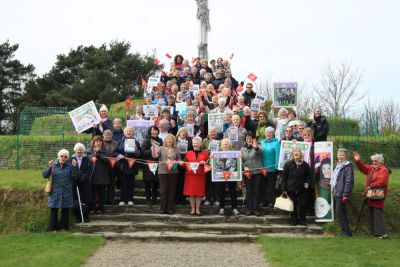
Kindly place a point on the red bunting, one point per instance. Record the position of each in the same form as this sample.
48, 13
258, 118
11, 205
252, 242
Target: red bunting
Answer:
131, 162
252, 77
94, 159
207, 168
170, 164
128, 102
112, 161
264, 171
227, 175
168, 55
247, 174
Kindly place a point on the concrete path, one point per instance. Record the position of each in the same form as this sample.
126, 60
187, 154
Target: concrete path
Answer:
176, 254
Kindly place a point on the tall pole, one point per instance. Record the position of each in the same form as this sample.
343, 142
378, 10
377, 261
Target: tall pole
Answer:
204, 19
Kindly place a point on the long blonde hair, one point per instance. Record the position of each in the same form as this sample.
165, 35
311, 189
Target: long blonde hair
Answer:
171, 136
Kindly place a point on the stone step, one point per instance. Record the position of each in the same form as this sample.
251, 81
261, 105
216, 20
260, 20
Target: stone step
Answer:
176, 236
220, 228
206, 210
183, 218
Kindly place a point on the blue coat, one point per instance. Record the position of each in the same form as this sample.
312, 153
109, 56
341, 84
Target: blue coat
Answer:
270, 157
63, 181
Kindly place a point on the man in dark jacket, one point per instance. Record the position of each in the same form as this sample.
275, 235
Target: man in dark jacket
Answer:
319, 125
249, 94
295, 180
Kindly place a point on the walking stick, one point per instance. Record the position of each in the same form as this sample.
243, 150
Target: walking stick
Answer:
80, 203
360, 214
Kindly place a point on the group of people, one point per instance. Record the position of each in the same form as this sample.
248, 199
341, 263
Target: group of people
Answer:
179, 145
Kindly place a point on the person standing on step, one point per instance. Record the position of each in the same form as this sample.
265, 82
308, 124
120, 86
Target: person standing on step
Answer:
63, 173
167, 178
226, 145
104, 124
195, 176
342, 185
251, 161
128, 149
295, 180
98, 173
152, 141
110, 145
184, 144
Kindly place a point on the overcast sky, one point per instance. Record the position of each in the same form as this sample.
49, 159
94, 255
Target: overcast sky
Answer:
285, 40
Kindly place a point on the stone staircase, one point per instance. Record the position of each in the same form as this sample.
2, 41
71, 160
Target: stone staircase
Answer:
143, 222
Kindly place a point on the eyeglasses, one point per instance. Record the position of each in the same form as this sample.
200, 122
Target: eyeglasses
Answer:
261, 116
307, 135
249, 87
375, 161
301, 128
64, 156
288, 131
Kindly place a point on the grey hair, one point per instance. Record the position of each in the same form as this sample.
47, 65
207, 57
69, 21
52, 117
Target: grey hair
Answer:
79, 145
229, 113
117, 120
378, 157
342, 150
197, 138
164, 122
63, 152
270, 129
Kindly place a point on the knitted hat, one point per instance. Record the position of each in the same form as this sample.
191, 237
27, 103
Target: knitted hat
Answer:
103, 108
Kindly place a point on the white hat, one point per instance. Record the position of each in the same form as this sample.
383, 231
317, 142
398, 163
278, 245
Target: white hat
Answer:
295, 122
103, 108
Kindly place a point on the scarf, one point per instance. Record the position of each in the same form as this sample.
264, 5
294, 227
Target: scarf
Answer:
339, 166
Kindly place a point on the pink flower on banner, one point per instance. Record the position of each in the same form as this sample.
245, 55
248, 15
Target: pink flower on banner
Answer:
252, 77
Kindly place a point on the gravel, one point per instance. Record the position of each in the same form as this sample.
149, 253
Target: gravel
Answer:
143, 254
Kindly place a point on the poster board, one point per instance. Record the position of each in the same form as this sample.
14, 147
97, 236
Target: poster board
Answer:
84, 117
285, 94
285, 153
226, 163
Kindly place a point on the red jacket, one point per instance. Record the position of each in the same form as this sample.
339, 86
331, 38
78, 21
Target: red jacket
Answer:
380, 178
191, 157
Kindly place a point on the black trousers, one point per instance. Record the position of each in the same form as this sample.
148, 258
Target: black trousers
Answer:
377, 221
179, 197
222, 194
167, 191
299, 203
341, 215
63, 224
101, 190
267, 188
211, 189
252, 187
127, 187
151, 190
111, 187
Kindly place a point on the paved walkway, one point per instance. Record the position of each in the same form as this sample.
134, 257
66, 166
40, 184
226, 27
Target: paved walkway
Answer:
176, 254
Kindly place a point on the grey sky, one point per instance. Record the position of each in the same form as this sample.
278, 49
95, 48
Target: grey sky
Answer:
285, 40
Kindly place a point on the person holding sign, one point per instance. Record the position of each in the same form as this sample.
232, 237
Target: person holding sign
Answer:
184, 144
376, 183
195, 177
150, 179
128, 149
295, 180
168, 156
236, 133
105, 123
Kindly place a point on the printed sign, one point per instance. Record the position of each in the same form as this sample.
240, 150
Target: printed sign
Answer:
129, 146
216, 120
84, 117
213, 145
150, 111
182, 146
285, 153
140, 128
152, 82
285, 94
180, 106
226, 166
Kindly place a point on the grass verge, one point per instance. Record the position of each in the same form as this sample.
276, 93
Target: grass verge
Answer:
330, 251
47, 249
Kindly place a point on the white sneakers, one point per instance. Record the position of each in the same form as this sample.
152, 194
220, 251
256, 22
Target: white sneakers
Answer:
206, 203
216, 203
121, 203
221, 212
235, 212
130, 203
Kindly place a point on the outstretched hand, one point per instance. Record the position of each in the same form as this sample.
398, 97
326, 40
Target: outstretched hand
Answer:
356, 156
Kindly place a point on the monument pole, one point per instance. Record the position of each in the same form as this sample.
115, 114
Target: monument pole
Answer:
203, 16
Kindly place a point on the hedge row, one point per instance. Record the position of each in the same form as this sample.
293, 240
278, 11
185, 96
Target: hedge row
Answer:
35, 151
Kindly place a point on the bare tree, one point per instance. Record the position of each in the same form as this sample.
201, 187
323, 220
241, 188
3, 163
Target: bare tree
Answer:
337, 91
306, 101
389, 117
264, 87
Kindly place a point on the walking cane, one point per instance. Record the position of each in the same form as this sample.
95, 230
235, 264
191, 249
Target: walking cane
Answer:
360, 214
80, 203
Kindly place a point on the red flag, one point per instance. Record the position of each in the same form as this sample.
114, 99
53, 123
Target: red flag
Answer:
170, 164
247, 174
193, 60
227, 175
252, 76
112, 161
264, 171
131, 162
128, 102
239, 89
94, 159
168, 55
231, 56
144, 84
207, 168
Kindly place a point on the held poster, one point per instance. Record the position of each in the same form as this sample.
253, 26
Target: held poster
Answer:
140, 128
285, 94
216, 120
226, 166
285, 153
84, 116
323, 158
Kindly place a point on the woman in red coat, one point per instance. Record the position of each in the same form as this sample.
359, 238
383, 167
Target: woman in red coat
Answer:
377, 177
195, 177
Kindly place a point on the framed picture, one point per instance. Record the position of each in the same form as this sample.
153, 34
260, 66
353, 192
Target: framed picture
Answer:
226, 166
140, 128
285, 153
84, 116
285, 94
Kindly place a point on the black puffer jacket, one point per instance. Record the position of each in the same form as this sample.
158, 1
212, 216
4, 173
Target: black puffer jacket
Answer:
98, 172
295, 176
320, 127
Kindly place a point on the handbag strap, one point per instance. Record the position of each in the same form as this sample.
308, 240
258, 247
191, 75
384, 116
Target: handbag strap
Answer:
52, 172
370, 177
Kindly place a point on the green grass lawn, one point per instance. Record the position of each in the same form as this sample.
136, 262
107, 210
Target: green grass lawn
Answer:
47, 249
331, 251
22, 179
